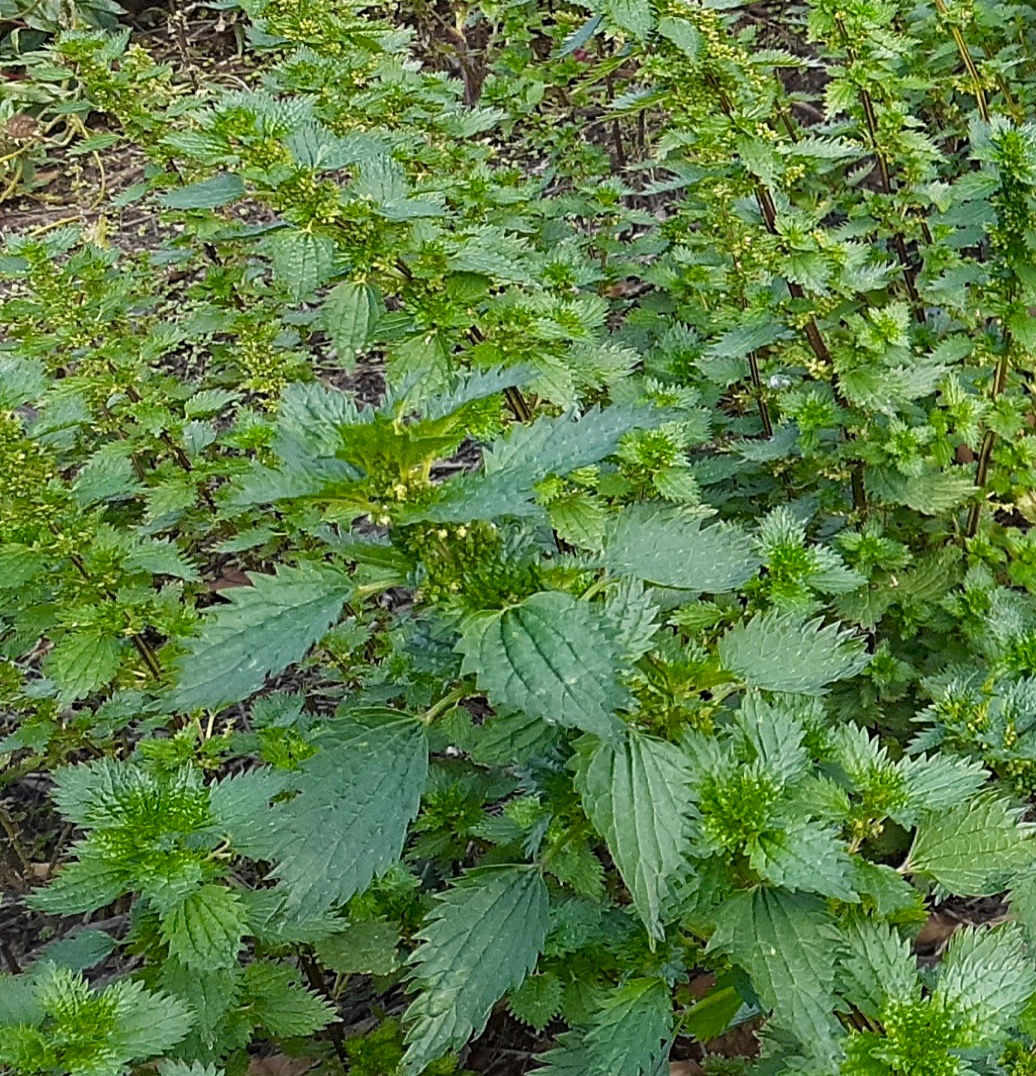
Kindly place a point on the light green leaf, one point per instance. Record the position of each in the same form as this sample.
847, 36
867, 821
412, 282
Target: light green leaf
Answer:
976, 849
301, 260
107, 475
776, 652
364, 948
360, 791
553, 657
205, 930
206, 194
265, 628
636, 794
987, 976
636, 16
876, 963
83, 662
806, 857
281, 1005
683, 34
350, 314
148, 1024
631, 1032
537, 1001
21, 381
935, 783
18, 565
480, 941
671, 550
787, 944
579, 519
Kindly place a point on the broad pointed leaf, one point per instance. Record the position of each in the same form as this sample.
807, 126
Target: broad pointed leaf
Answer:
360, 791
553, 657
636, 794
480, 941
265, 628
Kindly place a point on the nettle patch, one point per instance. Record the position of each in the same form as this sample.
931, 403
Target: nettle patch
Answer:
671, 610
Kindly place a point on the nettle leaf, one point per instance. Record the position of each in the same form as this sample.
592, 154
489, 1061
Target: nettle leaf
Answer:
107, 475
301, 260
636, 16
265, 628
148, 1024
987, 976
551, 656
631, 1032
21, 381
360, 792
976, 849
636, 794
480, 941
805, 856
350, 314
82, 662
205, 930
777, 652
281, 1005
673, 551
935, 783
537, 1001
368, 947
211, 193
875, 963
787, 943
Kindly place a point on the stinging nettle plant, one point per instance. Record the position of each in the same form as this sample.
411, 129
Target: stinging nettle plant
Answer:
624, 455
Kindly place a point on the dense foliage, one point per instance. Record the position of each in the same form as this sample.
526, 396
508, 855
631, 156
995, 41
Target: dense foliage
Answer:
671, 607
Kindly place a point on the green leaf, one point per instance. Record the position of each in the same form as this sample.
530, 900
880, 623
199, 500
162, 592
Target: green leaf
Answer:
18, 565
281, 1005
364, 948
579, 519
936, 783
976, 849
987, 977
537, 1001
360, 792
876, 964
807, 857
776, 652
265, 628
350, 314
787, 944
162, 558
148, 1024
301, 261
79, 951
21, 381
635, 16
931, 494
206, 194
631, 1032
480, 941
553, 657
683, 34
107, 475
83, 662
205, 930
671, 550
636, 794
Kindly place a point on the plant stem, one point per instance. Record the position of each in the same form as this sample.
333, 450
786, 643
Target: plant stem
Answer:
985, 452
7, 823
969, 64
